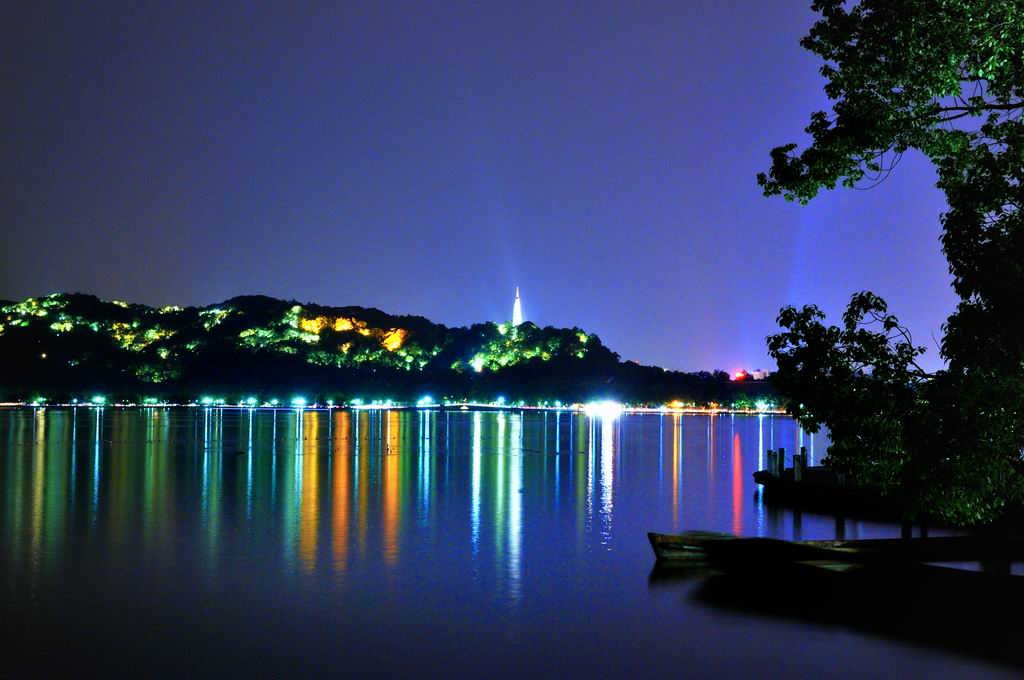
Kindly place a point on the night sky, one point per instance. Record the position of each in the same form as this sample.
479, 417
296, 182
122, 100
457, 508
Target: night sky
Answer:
426, 158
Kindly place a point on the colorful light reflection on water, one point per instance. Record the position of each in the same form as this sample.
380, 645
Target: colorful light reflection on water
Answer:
384, 542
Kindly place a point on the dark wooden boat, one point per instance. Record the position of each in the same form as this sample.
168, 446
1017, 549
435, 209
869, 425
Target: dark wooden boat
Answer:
888, 587
701, 547
725, 550
690, 546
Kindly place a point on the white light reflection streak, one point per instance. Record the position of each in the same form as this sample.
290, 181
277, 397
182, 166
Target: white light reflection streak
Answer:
97, 429
760, 441
298, 458
607, 476
591, 445
206, 471
499, 501
248, 475
273, 461
425, 439
474, 517
558, 458
661, 449
515, 506
74, 454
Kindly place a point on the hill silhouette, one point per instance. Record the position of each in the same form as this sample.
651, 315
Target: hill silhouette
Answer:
70, 345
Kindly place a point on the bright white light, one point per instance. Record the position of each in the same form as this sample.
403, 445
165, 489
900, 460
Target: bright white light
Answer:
603, 409
761, 405
251, 401
206, 401
425, 400
356, 402
478, 364
499, 400
299, 402
274, 402
99, 399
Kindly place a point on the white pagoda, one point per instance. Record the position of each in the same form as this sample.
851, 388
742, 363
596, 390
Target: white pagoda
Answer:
517, 310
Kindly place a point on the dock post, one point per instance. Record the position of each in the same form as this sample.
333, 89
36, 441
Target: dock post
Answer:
781, 461
799, 463
772, 466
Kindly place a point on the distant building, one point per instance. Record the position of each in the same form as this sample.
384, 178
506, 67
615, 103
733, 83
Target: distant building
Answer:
517, 310
759, 374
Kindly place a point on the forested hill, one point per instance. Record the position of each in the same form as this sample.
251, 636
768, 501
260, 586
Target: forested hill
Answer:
71, 344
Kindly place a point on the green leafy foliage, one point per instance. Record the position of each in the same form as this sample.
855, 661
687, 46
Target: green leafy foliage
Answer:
860, 379
942, 78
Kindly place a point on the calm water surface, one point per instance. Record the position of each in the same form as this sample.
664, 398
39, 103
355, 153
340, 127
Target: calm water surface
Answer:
396, 544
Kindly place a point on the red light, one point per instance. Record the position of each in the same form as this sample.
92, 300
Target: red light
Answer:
739, 375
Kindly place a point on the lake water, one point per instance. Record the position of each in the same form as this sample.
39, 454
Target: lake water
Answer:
183, 542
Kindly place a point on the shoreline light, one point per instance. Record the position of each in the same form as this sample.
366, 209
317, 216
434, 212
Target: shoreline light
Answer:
603, 409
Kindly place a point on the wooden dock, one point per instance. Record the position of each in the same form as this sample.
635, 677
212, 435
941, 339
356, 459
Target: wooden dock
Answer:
818, 488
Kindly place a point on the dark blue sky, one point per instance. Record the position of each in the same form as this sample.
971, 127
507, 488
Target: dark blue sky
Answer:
426, 158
